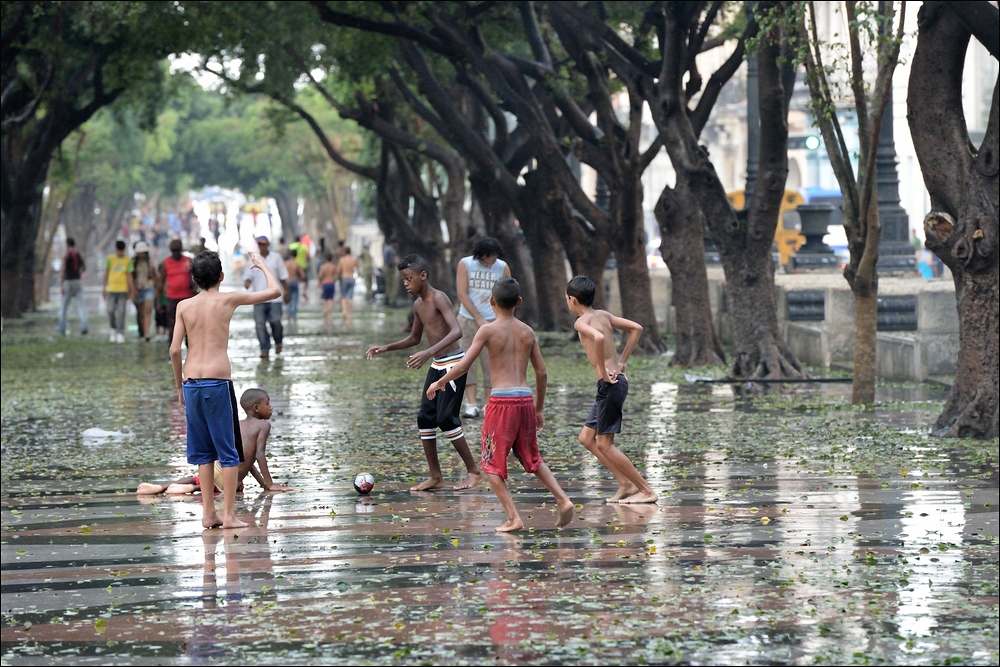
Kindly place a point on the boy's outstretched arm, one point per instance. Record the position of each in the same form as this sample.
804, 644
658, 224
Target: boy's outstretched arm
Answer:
634, 330
443, 304
416, 333
462, 367
541, 382
273, 290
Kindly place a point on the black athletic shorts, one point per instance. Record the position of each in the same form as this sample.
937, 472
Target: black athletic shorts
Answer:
606, 415
443, 412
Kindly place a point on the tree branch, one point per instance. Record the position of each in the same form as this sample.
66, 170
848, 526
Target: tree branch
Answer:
982, 19
361, 170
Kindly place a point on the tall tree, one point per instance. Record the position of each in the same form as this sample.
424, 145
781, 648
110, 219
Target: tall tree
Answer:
60, 63
867, 30
744, 237
677, 211
963, 227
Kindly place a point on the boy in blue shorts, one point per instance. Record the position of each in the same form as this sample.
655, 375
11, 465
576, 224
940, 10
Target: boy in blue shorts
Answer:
204, 386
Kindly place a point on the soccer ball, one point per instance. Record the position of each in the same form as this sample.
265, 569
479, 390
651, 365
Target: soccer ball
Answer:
364, 483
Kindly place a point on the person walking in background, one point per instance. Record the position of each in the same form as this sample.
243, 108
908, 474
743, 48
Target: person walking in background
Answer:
296, 274
476, 277
118, 289
346, 268
267, 313
390, 259
367, 267
301, 252
144, 280
73, 267
174, 282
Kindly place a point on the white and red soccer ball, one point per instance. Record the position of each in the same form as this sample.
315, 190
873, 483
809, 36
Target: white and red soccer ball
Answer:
364, 482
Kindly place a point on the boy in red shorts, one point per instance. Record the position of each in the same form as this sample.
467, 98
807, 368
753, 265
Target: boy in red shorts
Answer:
512, 417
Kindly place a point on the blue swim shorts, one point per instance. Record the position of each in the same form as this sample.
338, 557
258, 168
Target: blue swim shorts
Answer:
213, 424
347, 288
329, 290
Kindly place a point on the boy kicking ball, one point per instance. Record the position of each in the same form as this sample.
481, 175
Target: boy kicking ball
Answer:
512, 417
596, 329
432, 311
204, 386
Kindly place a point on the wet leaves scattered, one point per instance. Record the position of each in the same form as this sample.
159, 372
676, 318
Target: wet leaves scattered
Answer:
791, 527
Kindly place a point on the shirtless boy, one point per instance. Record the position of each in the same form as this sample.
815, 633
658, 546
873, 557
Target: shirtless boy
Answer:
432, 311
254, 431
596, 329
204, 386
512, 418
327, 278
346, 267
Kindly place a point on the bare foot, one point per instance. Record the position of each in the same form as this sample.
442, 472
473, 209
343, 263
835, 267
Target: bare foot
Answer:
211, 520
640, 498
623, 491
509, 526
233, 522
471, 480
277, 349
565, 515
147, 489
432, 483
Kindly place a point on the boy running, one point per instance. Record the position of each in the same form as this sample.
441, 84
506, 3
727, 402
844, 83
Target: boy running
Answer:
432, 311
596, 329
512, 418
204, 386
327, 278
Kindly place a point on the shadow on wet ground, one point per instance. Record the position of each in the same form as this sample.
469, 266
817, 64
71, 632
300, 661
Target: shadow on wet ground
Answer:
791, 527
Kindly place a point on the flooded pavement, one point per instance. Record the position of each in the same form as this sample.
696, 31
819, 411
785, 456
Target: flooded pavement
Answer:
791, 528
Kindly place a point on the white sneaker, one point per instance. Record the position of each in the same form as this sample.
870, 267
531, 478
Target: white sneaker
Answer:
119, 338
113, 338
471, 412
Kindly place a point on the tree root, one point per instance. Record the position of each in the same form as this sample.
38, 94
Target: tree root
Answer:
771, 360
974, 421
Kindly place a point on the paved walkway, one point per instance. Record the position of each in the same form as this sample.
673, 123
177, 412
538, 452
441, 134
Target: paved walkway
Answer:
791, 528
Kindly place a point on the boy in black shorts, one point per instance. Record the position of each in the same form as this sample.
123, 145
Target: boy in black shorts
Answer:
597, 329
432, 311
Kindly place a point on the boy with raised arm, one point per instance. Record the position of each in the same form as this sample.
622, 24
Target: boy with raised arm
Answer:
596, 329
432, 311
512, 417
204, 386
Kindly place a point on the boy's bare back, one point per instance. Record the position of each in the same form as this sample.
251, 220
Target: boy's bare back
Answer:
205, 319
600, 351
327, 273
511, 344
346, 266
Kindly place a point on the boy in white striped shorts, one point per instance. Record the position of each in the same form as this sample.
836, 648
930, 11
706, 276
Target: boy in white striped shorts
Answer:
432, 312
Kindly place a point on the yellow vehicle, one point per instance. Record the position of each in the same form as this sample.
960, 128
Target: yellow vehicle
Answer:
788, 240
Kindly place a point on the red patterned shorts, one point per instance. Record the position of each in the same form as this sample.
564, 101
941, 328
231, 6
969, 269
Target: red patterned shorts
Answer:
510, 424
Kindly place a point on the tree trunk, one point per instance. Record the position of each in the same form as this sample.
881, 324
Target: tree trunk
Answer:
682, 246
499, 220
633, 269
17, 271
865, 327
543, 195
964, 224
289, 214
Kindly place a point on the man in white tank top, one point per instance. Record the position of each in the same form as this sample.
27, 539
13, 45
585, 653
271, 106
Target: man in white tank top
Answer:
476, 275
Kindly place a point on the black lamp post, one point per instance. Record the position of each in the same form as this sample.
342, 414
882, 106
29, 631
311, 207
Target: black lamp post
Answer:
895, 254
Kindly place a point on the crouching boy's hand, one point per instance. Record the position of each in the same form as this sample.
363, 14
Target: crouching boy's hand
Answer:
276, 487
